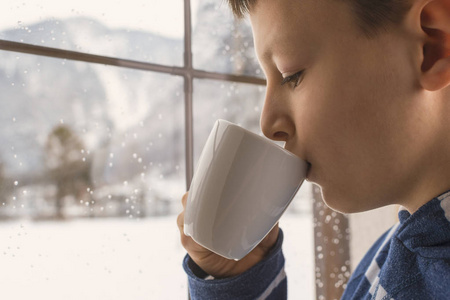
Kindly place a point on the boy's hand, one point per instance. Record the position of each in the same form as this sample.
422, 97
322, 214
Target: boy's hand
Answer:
216, 265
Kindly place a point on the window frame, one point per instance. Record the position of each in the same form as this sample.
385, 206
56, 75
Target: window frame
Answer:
187, 71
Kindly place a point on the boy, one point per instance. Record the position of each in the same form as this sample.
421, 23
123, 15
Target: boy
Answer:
360, 90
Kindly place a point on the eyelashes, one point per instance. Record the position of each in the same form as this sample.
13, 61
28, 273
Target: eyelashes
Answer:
295, 79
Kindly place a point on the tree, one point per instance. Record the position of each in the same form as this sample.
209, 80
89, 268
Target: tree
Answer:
68, 167
4, 191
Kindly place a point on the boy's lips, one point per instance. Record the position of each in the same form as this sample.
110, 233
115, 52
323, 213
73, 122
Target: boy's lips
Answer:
308, 170
303, 158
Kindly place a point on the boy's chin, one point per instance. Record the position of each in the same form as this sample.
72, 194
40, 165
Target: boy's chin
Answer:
347, 204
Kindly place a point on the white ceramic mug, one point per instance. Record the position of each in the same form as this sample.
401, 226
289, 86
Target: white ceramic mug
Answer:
242, 185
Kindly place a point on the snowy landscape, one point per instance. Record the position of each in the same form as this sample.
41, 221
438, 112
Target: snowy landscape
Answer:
124, 128
121, 259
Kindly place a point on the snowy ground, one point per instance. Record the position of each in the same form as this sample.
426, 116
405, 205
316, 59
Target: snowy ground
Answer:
120, 259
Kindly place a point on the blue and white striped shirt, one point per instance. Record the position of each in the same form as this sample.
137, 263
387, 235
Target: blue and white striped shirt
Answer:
410, 261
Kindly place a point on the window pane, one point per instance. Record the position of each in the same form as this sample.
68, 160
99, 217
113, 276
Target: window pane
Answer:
242, 104
221, 43
90, 156
143, 30
236, 102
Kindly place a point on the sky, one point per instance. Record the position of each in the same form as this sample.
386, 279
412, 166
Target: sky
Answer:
159, 16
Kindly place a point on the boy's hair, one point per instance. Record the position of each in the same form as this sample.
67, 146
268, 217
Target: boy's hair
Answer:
371, 15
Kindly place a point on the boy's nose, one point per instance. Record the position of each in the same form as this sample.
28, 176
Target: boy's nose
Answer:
276, 120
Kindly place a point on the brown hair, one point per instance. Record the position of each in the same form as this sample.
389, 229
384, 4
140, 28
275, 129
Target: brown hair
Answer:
371, 15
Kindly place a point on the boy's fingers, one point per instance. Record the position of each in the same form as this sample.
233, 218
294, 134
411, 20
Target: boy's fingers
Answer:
184, 200
186, 241
272, 237
180, 222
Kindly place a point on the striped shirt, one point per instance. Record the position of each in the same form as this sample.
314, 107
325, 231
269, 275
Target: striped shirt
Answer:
410, 261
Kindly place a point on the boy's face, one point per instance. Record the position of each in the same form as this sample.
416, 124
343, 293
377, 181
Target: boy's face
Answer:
357, 114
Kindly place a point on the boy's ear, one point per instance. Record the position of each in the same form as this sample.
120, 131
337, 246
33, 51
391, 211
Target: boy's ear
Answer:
435, 23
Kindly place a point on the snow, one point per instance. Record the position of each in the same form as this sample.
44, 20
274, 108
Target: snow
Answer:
121, 259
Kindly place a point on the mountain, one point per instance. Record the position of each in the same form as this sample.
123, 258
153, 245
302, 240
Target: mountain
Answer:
98, 101
90, 36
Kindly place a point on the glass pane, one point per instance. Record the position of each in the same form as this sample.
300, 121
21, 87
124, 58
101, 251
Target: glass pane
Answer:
236, 102
220, 43
144, 30
242, 104
92, 171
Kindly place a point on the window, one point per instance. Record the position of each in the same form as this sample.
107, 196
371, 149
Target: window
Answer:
104, 111
145, 31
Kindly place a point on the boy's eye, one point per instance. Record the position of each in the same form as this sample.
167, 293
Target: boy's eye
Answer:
296, 79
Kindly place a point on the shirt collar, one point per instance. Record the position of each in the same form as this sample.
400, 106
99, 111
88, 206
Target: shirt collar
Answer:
427, 228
